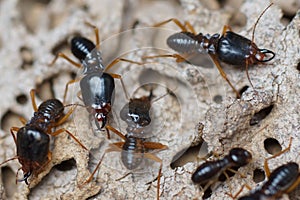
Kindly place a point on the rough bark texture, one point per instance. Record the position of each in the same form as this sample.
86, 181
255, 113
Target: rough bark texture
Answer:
32, 32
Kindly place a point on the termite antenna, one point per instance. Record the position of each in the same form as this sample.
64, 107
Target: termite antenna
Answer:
75, 104
263, 12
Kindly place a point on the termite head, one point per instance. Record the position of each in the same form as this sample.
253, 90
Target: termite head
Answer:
240, 156
101, 114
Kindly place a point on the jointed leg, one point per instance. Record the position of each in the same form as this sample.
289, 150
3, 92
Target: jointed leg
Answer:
67, 88
155, 145
117, 76
62, 55
179, 58
183, 27
62, 120
13, 158
225, 29
112, 147
115, 131
96, 30
156, 159
70, 134
23, 120
117, 60
239, 192
266, 166
223, 74
12, 129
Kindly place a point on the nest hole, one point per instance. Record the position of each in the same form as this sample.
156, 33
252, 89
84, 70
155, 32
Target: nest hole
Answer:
66, 165
260, 115
298, 66
62, 46
44, 90
272, 146
9, 181
243, 89
22, 99
287, 18
238, 20
218, 99
27, 58
10, 119
258, 175
189, 155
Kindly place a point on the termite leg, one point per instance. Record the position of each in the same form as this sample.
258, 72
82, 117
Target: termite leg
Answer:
64, 118
266, 166
12, 129
179, 58
112, 147
115, 131
96, 31
117, 76
223, 74
67, 88
117, 60
225, 29
59, 131
239, 192
183, 27
156, 159
62, 55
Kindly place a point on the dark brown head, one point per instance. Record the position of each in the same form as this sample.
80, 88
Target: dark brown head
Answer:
136, 112
240, 157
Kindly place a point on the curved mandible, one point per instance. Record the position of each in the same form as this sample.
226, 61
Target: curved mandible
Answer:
266, 52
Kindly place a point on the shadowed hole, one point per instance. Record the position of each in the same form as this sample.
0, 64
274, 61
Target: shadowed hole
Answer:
62, 46
243, 89
298, 66
189, 155
258, 175
66, 165
218, 99
262, 114
222, 3
10, 119
287, 18
22, 99
55, 179
44, 90
27, 58
9, 182
272, 146
238, 20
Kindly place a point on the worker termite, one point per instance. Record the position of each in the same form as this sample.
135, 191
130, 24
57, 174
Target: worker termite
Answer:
33, 139
209, 172
133, 151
